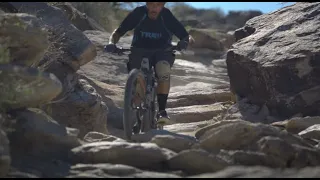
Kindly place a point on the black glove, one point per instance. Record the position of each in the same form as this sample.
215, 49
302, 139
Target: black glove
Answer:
110, 48
182, 45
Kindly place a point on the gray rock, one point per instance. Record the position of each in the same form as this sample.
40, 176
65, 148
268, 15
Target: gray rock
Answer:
200, 132
252, 158
196, 161
243, 135
68, 47
312, 132
98, 137
140, 155
305, 156
77, 45
112, 96
20, 175
147, 136
78, 19
22, 87
195, 113
112, 171
174, 143
277, 147
294, 155
38, 134
197, 93
82, 109
249, 112
276, 64
298, 124
262, 172
187, 127
239, 171
23, 38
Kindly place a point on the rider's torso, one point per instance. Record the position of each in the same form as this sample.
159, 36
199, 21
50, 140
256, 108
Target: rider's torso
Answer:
151, 34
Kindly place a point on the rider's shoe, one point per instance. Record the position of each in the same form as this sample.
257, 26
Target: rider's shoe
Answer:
162, 117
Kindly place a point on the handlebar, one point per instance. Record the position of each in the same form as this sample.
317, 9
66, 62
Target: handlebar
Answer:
121, 50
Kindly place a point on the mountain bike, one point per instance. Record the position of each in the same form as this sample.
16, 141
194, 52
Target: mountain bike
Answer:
140, 102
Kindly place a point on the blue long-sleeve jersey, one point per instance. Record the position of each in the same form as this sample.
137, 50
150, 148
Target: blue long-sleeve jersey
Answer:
151, 34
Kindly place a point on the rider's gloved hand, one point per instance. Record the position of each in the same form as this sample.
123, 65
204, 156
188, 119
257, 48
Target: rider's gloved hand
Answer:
182, 45
110, 48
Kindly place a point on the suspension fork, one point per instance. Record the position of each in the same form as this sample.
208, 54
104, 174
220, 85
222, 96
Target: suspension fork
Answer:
148, 72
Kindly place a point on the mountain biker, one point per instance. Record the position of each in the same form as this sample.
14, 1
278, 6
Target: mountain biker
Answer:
153, 26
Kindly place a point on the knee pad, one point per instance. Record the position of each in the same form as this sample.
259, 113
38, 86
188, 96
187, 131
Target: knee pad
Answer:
163, 71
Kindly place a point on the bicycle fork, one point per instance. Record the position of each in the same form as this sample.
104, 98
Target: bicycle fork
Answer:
150, 89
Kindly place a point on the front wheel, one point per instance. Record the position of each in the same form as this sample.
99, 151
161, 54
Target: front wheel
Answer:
149, 118
134, 97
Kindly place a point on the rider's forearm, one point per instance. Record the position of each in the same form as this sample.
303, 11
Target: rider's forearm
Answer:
114, 38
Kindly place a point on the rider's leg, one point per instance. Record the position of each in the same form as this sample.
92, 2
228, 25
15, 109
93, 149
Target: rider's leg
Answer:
163, 74
163, 66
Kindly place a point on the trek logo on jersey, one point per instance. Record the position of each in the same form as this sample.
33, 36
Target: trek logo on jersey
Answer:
150, 35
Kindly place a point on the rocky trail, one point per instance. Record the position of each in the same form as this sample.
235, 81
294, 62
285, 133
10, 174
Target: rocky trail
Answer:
61, 102
198, 91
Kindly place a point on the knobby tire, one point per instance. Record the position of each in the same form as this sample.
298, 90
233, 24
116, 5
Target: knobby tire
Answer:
129, 113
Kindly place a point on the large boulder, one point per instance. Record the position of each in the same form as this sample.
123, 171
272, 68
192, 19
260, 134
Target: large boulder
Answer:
22, 87
204, 40
68, 47
140, 155
79, 19
83, 109
112, 96
196, 162
23, 40
277, 64
239, 134
76, 45
36, 133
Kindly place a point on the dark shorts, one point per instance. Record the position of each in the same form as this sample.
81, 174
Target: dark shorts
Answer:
135, 58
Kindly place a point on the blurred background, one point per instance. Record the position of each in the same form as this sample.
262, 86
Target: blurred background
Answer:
225, 16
